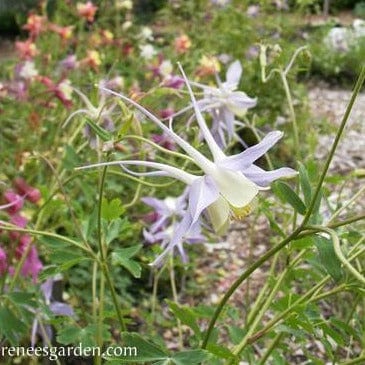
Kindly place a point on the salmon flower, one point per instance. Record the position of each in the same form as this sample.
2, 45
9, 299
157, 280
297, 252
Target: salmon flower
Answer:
87, 11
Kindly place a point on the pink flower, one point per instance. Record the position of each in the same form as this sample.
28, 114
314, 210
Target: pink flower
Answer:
61, 90
30, 193
182, 44
14, 200
32, 264
175, 82
26, 50
34, 25
3, 261
87, 11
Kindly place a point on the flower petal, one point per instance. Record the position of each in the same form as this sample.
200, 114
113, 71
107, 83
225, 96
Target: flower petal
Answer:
237, 189
234, 73
265, 178
218, 213
243, 160
202, 193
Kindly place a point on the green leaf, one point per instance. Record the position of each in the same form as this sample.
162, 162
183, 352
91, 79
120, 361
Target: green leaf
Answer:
21, 298
122, 256
71, 158
288, 195
305, 184
111, 210
186, 316
127, 122
191, 357
85, 336
99, 131
328, 257
11, 327
113, 230
146, 351
220, 351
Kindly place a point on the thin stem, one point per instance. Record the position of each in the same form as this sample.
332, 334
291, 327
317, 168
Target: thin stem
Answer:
175, 296
99, 335
238, 349
352, 200
340, 255
270, 349
242, 278
103, 253
344, 121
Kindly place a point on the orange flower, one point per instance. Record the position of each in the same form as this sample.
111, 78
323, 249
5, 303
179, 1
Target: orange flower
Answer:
182, 44
34, 25
64, 32
87, 11
26, 50
92, 59
208, 65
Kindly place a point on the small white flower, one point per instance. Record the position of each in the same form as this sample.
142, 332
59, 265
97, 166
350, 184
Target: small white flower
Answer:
146, 34
28, 70
124, 4
147, 51
66, 89
126, 25
166, 68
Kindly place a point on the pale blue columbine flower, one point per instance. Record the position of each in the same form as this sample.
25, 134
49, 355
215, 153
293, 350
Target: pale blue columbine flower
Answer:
170, 213
228, 184
57, 308
224, 103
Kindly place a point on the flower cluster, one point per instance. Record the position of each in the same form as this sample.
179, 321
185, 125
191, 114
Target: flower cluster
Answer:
227, 186
19, 244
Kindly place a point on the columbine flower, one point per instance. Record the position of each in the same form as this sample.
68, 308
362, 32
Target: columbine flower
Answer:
30, 193
182, 44
14, 202
169, 214
57, 308
92, 59
208, 65
34, 25
147, 51
224, 102
26, 50
228, 184
86, 11
69, 63
3, 261
27, 70
64, 32
146, 34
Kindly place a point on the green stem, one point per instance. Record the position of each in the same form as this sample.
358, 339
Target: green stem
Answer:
103, 254
252, 326
340, 255
242, 278
270, 349
175, 296
344, 121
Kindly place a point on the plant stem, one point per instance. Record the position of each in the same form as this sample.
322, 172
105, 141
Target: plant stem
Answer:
103, 254
174, 295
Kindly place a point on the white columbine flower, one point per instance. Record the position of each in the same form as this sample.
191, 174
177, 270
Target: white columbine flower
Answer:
224, 103
147, 51
28, 70
227, 185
